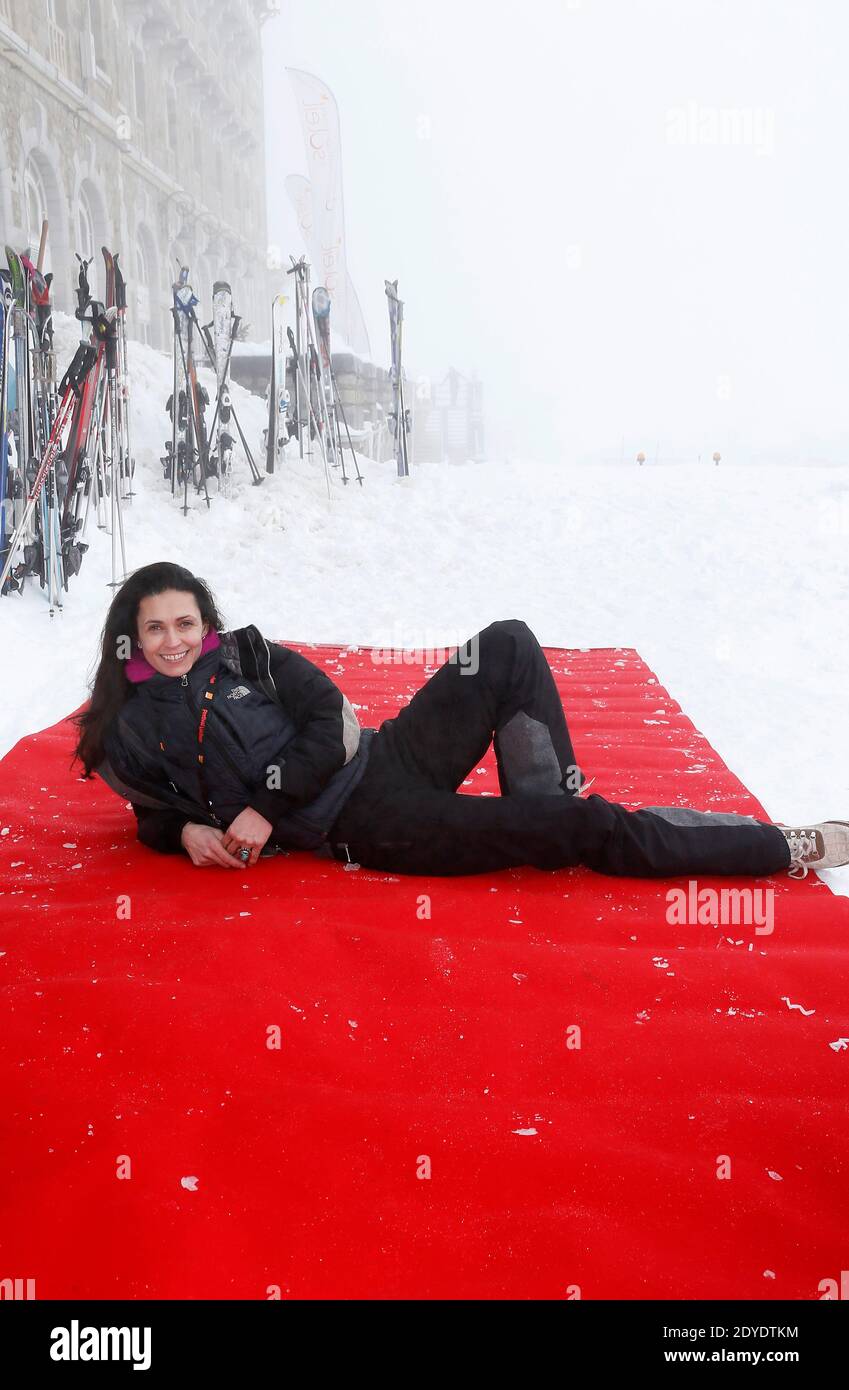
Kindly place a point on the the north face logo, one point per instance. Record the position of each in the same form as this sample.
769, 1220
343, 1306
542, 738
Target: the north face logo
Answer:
237, 692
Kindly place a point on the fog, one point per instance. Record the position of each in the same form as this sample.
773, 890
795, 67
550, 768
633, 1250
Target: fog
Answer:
628, 216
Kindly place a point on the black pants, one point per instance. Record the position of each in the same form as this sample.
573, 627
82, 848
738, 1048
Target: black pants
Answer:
406, 815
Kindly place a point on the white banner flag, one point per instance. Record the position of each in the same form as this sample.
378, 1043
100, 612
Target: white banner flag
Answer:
320, 209
300, 196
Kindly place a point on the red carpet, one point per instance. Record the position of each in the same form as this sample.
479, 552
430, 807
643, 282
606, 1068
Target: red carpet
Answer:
407, 1040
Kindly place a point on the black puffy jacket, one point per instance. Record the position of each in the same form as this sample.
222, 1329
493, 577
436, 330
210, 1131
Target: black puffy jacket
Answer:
274, 717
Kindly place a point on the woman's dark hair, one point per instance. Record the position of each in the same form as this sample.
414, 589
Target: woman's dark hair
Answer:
110, 687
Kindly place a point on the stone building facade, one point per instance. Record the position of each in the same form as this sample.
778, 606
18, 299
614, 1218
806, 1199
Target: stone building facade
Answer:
138, 125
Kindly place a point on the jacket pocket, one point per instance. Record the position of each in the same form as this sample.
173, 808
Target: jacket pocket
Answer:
299, 831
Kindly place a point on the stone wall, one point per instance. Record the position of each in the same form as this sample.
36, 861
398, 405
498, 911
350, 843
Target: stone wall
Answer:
446, 415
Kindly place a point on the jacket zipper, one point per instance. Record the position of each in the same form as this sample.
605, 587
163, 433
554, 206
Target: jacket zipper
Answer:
184, 681
265, 681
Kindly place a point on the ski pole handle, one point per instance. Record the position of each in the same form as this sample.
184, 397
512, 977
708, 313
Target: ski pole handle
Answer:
74, 378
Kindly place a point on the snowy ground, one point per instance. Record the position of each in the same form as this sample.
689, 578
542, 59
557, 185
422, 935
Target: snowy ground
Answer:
731, 583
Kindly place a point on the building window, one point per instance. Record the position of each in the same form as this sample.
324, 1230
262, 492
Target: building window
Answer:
171, 117
143, 324
35, 198
56, 25
85, 229
198, 144
97, 32
138, 79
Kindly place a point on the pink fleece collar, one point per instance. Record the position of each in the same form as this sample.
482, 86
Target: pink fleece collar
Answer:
140, 669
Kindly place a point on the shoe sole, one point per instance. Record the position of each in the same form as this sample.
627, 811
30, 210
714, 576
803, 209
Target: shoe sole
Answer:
836, 854
843, 847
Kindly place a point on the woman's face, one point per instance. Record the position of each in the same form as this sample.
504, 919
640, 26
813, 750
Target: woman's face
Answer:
171, 631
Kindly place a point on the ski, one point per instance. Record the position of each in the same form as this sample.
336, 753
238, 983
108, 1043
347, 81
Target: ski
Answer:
300, 350
279, 399
40, 288
20, 417
70, 390
128, 463
321, 321
109, 263
196, 460
225, 411
305, 390
222, 330
5, 338
114, 437
321, 313
271, 423
400, 415
44, 407
81, 456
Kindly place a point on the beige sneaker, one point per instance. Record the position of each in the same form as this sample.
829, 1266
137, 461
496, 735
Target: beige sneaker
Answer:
821, 846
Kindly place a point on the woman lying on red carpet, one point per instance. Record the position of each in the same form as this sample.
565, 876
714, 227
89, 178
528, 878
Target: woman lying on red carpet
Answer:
229, 746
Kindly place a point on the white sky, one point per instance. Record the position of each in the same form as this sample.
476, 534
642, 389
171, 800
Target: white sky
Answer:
548, 232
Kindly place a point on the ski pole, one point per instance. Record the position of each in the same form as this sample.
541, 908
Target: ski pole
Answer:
298, 270
300, 370
127, 462
317, 364
117, 527
227, 402
347, 430
5, 339
174, 406
321, 320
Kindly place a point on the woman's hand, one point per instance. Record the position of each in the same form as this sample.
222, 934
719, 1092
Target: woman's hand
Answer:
249, 829
204, 846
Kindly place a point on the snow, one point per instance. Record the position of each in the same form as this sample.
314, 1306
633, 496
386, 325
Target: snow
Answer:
248, 349
263, 349
729, 581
